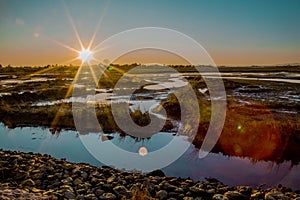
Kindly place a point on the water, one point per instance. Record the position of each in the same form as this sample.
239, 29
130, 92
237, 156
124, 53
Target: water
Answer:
230, 170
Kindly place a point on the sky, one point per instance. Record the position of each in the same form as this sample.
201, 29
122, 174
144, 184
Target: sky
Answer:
233, 32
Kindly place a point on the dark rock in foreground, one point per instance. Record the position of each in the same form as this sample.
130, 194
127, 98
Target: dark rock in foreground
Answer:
36, 176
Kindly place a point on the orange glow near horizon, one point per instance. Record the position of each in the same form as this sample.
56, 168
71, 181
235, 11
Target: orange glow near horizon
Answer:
38, 57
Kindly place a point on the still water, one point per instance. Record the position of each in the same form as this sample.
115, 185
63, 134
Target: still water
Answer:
230, 170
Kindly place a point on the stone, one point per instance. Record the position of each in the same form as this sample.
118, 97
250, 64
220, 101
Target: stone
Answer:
235, 195
179, 189
246, 190
167, 186
188, 198
128, 194
212, 180
90, 197
77, 181
219, 197
211, 191
98, 192
274, 195
257, 195
80, 197
157, 172
173, 194
121, 190
111, 179
197, 190
161, 194
67, 181
69, 195
108, 196
28, 182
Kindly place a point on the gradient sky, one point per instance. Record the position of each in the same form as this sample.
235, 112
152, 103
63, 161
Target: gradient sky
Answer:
234, 32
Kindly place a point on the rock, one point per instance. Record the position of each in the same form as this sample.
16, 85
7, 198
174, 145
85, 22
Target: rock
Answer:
161, 194
235, 195
157, 172
94, 180
67, 181
257, 195
99, 192
223, 189
274, 195
77, 181
90, 197
128, 194
211, 191
111, 179
167, 186
84, 174
80, 197
188, 198
135, 187
66, 188
219, 197
84, 185
173, 195
121, 190
178, 189
197, 190
107, 187
28, 182
108, 196
69, 195
246, 190
81, 191
212, 180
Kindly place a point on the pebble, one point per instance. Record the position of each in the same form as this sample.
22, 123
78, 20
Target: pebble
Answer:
235, 195
108, 196
274, 195
219, 197
161, 194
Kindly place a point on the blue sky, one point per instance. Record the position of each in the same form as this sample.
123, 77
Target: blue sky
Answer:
233, 32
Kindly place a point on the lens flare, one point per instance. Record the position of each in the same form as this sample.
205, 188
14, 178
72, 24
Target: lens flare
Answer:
85, 55
143, 151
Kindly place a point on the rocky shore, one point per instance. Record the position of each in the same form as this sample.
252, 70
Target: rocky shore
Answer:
36, 176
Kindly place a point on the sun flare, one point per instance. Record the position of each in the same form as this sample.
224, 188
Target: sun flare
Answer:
85, 55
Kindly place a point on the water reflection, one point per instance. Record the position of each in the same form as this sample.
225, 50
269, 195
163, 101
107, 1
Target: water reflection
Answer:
230, 170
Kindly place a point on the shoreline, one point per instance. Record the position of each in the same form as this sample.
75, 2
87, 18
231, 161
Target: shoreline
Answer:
36, 176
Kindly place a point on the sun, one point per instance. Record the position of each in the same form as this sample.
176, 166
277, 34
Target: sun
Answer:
85, 55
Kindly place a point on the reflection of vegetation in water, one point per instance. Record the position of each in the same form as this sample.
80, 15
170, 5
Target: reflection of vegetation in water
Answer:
250, 132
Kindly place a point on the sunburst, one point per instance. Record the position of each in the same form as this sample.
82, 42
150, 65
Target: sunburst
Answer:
86, 55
